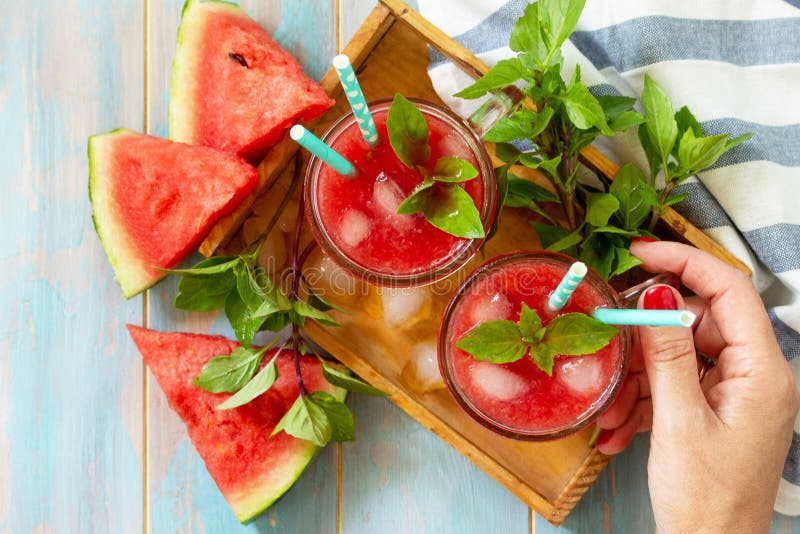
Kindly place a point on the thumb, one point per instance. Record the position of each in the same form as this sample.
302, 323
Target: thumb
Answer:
669, 358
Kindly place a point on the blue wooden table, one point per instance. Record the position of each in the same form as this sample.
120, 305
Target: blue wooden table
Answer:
87, 442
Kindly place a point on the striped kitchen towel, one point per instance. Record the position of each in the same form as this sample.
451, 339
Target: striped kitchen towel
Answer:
736, 64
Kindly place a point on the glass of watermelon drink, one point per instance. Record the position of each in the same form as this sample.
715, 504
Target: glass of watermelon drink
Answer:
518, 399
355, 220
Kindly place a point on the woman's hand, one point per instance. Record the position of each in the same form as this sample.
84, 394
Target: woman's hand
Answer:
717, 447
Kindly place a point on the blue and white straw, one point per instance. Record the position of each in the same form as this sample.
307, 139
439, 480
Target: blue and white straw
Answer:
683, 318
356, 99
314, 144
558, 298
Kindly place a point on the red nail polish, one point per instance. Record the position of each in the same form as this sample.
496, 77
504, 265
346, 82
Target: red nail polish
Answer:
660, 298
604, 436
644, 239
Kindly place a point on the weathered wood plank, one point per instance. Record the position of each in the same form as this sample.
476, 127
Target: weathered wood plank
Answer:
70, 382
351, 14
399, 477
181, 495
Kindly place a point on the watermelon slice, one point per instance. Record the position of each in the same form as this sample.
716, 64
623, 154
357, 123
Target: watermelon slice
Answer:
233, 88
153, 200
251, 468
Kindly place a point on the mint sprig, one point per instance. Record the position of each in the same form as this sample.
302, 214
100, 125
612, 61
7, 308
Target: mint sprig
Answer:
598, 220
504, 341
254, 302
438, 197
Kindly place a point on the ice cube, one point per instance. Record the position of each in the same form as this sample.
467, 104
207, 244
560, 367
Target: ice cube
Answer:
583, 375
453, 145
354, 227
498, 382
497, 307
401, 305
387, 197
421, 373
387, 193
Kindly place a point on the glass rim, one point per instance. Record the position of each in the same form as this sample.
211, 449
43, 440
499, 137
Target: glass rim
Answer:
458, 259
486, 420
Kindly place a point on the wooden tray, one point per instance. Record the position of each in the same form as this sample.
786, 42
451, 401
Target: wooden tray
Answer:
390, 55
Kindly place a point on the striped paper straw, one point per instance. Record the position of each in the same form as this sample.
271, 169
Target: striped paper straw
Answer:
566, 287
356, 98
644, 317
314, 144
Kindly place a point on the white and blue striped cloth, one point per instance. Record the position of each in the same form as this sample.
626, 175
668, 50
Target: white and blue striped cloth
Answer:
736, 64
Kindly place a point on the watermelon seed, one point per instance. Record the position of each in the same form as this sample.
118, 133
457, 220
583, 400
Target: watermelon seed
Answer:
242, 61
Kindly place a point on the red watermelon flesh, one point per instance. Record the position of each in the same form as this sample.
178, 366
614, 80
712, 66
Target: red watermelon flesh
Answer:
251, 468
153, 200
233, 88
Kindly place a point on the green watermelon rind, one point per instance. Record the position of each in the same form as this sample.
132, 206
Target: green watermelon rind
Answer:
264, 498
133, 277
180, 96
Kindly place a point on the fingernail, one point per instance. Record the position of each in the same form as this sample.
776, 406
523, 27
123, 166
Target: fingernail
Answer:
604, 437
643, 239
660, 298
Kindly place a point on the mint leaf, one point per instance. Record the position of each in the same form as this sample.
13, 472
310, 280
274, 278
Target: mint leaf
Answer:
625, 121
551, 165
624, 261
614, 105
529, 324
517, 126
526, 36
614, 230
662, 129
452, 210
548, 233
213, 265
544, 357
306, 420
226, 374
697, 153
583, 108
506, 152
342, 379
417, 200
302, 311
597, 251
204, 293
338, 415
244, 324
276, 322
494, 341
408, 132
504, 72
566, 242
254, 388
686, 121
738, 140
521, 192
634, 194
246, 286
557, 19
600, 207
453, 170
651, 152
575, 334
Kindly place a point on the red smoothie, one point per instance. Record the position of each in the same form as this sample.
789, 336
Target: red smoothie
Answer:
518, 397
355, 219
